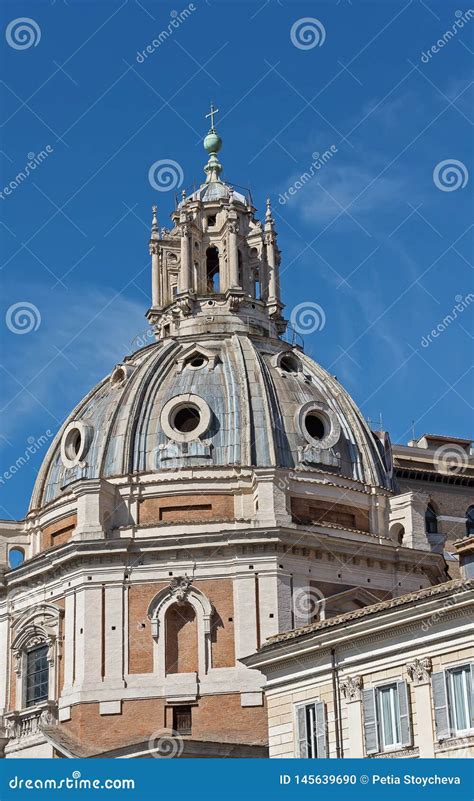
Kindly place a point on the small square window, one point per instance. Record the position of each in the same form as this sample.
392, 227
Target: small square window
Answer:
211, 221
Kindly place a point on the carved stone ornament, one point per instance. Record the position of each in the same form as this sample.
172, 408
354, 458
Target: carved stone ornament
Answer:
352, 688
419, 671
180, 587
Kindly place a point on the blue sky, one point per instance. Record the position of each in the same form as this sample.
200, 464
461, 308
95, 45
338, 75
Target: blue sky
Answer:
380, 237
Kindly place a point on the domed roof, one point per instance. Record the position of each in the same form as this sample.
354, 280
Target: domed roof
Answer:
224, 400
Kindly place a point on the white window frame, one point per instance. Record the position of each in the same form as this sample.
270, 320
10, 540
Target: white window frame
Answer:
310, 702
394, 714
452, 711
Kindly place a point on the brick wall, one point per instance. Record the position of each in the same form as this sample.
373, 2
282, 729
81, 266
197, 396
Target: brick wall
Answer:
181, 639
305, 510
186, 508
220, 594
58, 533
219, 717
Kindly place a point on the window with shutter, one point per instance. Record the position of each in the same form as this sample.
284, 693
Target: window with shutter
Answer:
404, 709
311, 730
440, 702
370, 722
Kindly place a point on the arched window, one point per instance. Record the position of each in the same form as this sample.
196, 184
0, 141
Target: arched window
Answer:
16, 557
181, 649
470, 522
431, 520
212, 269
36, 675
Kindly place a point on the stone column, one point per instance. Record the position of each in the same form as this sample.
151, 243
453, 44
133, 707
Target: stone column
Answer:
114, 636
245, 614
155, 274
185, 270
88, 638
419, 672
233, 254
351, 688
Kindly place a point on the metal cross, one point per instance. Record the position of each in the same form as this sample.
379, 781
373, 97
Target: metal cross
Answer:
211, 114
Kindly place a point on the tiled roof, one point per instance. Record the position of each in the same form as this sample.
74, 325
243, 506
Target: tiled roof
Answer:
384, 606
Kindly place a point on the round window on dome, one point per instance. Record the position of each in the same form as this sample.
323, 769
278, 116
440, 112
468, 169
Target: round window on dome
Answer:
72, 444
290, 364
315, 425
185, 418
196, 362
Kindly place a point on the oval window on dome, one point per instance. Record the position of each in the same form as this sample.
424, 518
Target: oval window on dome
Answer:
75, 443
185, 418
289, 363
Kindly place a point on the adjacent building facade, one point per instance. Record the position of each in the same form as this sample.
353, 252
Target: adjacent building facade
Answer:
216, 489
393, 680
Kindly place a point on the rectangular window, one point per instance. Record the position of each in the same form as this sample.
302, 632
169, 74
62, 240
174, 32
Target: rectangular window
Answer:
311, 730
460, 700
182, 723
37, 675
387, 722
388, 713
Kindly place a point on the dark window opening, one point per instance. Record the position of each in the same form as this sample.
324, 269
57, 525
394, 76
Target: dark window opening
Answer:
314, 425
37, 675
182, 720
166, 330
239, 263
470, 522
289, 364
186, 419
212, 269
73, 444
211, 221
431, 521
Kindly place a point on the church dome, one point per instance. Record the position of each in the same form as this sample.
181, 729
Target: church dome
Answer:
228, 400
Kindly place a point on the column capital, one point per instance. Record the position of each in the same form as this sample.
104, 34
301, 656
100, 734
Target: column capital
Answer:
419, 670
352, 688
